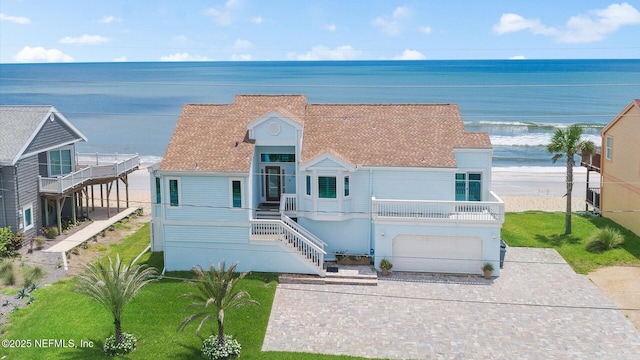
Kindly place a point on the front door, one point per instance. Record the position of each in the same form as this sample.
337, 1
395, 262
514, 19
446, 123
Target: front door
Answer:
272, 174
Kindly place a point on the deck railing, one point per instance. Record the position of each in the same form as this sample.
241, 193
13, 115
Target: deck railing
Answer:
593, 197
302, 231
288, 204
439, 211
105, 166
278, 230
591, 161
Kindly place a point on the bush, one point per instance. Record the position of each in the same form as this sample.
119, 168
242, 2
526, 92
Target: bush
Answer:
31, 275
125, 347
7, 272
9, 242
605, 239
213, 351
51, 232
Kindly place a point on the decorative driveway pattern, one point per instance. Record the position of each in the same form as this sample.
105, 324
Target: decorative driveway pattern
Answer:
537, 309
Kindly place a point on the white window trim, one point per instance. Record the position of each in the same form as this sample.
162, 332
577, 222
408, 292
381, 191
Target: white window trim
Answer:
24, 218
242, 194
168, 197
68, 147
608, 150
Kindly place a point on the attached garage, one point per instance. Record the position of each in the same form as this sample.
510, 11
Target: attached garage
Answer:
437, 253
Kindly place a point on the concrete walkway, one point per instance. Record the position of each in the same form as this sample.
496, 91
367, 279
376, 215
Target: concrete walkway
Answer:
89, 231
538, 309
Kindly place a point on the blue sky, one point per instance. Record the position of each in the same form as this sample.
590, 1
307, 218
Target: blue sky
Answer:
237, 30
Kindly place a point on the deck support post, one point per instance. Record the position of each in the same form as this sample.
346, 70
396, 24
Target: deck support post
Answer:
59, 215
93, 205
126, 184
101, 197
108, 186
118, 194
74, 197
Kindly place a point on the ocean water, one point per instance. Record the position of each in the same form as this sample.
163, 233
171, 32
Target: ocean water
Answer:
133, 107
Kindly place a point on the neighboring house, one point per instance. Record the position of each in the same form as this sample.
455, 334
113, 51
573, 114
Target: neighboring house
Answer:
40, 181
278, 184
618, 195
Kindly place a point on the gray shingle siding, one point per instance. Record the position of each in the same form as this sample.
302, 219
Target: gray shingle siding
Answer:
52, 133
8, 201
27, 174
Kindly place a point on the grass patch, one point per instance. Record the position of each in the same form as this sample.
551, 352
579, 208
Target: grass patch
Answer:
546, 230
153, 317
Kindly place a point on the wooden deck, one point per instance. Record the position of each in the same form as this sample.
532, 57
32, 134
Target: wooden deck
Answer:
106, 167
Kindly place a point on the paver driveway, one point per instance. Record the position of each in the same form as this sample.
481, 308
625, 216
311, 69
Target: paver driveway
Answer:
538, 309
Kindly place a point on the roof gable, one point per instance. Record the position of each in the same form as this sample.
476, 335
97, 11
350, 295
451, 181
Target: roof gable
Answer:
327, 160
24, 124
632, 104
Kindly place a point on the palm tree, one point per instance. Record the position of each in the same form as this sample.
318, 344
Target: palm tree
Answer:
216, 294
569, 143
114, 286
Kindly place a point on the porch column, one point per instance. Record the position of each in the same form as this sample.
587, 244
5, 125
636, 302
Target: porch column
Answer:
74, 198
46, 212
118, 195
59, 215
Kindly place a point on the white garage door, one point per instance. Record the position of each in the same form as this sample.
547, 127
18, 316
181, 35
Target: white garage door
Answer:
443, 254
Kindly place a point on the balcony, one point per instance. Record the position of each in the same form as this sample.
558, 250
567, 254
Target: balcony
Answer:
591, 161
100, 167
431, 211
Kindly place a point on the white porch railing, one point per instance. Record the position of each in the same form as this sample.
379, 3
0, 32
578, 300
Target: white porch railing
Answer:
302, 231
440, 211
278, 230
106, 166
288, 204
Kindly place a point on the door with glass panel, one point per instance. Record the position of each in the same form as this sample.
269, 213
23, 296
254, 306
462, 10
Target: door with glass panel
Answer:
272, 183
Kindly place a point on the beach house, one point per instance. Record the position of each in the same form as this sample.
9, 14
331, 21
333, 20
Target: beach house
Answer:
281, 185
41, 182
617, 195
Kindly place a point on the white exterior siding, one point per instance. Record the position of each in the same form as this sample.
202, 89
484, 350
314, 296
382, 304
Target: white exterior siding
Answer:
351, 236
205, 199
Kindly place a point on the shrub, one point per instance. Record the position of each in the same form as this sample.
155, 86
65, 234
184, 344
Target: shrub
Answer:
127, 345
9, 242
40, 242
605, 239
31, 275
212, 350
51, 232
7, 272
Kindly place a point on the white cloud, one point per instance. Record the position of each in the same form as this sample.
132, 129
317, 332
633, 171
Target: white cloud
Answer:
109, 19
241, 57
602, 22
242, 44
518, 57
84, 40
15, 19
319, 52
330, 27
594, 26
410, 55
392, 25
222, 15
183, 57
514, 22
40, 54
257, 20
426, 29
120, 59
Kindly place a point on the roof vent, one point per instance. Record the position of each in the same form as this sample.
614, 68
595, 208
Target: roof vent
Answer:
52, 117
237, 143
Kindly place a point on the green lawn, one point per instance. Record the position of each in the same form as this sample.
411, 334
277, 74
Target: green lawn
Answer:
543, 229
61, 314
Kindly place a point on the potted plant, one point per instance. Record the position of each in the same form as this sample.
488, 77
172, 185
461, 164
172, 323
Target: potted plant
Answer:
385, 265
488, 270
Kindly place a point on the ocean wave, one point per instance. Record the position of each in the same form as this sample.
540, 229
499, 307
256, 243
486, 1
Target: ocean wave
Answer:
537, 169
527, 125
534, 139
